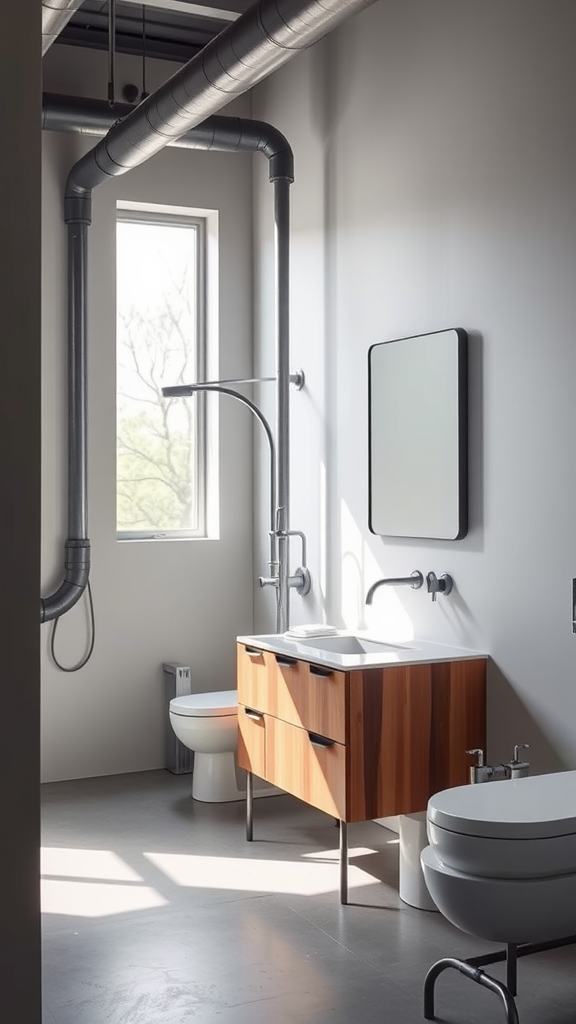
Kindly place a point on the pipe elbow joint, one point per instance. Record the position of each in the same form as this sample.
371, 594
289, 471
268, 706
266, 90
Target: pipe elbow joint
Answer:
76, 576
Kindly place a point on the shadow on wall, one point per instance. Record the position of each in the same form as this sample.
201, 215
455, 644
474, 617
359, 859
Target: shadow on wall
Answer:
505, 707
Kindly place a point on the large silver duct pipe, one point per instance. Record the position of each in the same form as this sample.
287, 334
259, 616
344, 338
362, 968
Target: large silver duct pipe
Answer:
55, 15
221, 134
264, 38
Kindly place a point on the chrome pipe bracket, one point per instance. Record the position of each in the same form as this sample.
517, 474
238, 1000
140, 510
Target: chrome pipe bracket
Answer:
301, 581
298, 379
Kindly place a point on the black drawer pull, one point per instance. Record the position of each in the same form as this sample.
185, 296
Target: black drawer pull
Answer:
256, 716
320, 741
315, 670
285, 662
254, 652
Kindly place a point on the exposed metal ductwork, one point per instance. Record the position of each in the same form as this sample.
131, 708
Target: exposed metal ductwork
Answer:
261, 41
55, 15
219, 133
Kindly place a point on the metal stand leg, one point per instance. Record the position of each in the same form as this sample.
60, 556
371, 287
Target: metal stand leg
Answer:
474, 974
343, 863
511, 968
249, 806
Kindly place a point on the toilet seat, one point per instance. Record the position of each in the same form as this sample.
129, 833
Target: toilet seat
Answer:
538, 807
522, 828
206, 705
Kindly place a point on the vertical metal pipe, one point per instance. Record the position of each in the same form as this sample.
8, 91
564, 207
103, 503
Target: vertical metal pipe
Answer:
77, 380
282, 261
77, 560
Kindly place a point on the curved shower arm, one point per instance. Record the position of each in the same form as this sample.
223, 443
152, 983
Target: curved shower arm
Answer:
188, 390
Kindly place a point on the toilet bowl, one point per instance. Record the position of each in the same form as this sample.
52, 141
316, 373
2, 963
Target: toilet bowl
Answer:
501, 863
207, 723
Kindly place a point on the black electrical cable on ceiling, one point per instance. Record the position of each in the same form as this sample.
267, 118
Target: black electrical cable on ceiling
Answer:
144, 94
112, 53
85, 660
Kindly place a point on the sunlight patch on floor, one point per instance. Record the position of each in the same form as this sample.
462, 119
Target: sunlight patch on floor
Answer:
76, 863
247, 875
95, 899
334, 855
87, 883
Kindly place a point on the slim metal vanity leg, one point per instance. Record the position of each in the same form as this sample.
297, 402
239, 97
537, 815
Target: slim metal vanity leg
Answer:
249, 806
511, 968
343, 863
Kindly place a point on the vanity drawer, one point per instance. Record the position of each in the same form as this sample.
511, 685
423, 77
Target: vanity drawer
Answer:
256, 675
311, 697
252, 740
309, 766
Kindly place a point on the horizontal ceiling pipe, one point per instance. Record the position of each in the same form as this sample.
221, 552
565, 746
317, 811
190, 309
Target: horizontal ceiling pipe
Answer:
263, 39
55, 16
218, 133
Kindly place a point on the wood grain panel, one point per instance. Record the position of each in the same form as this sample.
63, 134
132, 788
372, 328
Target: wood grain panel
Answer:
390, 714
251, 743
458, 720
316, 775
312, 698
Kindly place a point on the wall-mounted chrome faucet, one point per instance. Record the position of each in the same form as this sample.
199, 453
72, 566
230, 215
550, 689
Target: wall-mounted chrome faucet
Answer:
415, 580
438, 585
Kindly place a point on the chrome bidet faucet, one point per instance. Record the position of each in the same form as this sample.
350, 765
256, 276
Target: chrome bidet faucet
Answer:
514, 769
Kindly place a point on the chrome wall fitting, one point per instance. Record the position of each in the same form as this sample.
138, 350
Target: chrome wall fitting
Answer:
442, 585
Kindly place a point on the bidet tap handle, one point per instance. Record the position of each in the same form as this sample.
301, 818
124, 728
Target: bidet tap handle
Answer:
520, 746
479, 772
519, 769
479, 756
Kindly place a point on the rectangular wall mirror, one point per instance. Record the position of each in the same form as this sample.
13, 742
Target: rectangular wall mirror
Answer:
418, 443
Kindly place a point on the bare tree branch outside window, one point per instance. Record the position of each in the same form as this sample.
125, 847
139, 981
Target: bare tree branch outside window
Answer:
157, 325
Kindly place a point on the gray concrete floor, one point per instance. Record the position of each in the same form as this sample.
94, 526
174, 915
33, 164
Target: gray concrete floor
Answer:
157, 911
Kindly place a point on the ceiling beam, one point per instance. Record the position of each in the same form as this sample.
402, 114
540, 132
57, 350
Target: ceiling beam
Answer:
221, 10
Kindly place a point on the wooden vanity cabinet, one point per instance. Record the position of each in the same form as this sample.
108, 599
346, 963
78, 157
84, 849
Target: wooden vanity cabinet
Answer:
360, 744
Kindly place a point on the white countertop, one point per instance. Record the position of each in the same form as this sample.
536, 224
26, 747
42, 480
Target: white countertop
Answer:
413, 652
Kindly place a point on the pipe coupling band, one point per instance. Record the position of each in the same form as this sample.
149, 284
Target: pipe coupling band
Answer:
77, 562
78, 209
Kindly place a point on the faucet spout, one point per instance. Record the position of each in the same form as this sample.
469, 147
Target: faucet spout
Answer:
415, 580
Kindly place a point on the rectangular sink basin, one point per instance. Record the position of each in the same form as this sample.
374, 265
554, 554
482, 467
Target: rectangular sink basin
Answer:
346, 651
351, 645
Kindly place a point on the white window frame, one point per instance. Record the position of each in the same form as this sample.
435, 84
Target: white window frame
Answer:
128, 212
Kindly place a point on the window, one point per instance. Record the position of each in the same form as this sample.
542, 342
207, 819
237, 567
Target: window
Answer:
161, 340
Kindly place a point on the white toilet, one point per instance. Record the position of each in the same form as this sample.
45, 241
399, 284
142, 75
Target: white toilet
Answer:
207, 723
501, 863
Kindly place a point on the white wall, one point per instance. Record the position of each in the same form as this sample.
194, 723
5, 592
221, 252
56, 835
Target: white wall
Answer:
20, 994
155, 601
435, 164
